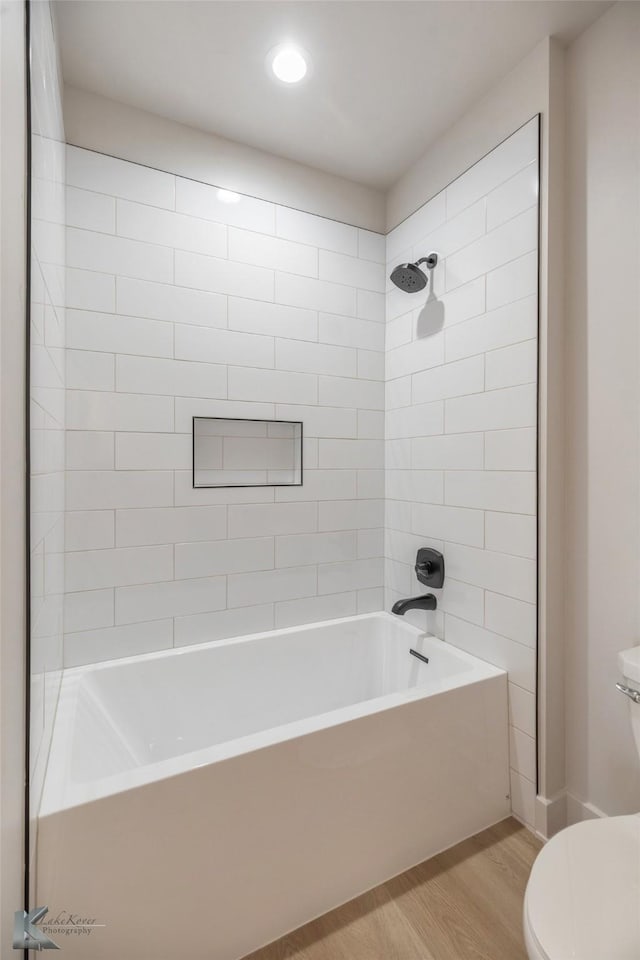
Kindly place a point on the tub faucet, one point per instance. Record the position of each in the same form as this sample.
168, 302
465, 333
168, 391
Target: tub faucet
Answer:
425, 602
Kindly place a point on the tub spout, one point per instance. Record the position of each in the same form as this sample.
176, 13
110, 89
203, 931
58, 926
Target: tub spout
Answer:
426, 602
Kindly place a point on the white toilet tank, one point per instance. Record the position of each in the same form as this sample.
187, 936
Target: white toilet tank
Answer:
629, 663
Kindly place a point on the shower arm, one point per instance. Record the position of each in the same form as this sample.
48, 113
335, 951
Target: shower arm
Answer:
430, 261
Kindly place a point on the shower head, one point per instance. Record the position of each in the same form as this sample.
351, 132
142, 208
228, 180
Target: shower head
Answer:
409, 277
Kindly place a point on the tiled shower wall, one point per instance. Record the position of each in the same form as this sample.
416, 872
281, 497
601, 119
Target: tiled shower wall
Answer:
47, 390
184, 300
461, 416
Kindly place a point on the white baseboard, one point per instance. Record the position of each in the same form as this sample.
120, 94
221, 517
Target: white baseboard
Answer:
556, 813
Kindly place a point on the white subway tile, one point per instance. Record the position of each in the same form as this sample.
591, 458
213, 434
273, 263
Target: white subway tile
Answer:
202, 200
153, 451
371, 365
499, 165
128, 258
450, 380
276, 386
350, 514
90, 211
511, 618
507, 242
88, 410
170, 525
348, 392
508, 492
89, 371
456, 452
223, 556
321, 485
371, 306
420, 224
370, 544
315, 358
151, 225
419, 420
305, 549
269, 519
507, 325
351, 271
272, 319
522, 753
187, 408
511, 576
457, 232
523, 798
513, 196
188, 496
245, 589
415, 356
398, 393
277, 254
107, 489
350, 575
497, 410
463, 601
206, 627
94, 569
88, 610
512, 366
103, 174
316, 231
351, 332
292, 613
424, 486
222, 276
399, 331
171, 377
89, 450
96, 646
315, 294
321, 421
518, 661
109, 333
507, 533
367, 454
448, 523
372, 246
177, 598
87, 290
163, 301
370, 600
513, 281
89, 529
370, 425
522, 709
511, 449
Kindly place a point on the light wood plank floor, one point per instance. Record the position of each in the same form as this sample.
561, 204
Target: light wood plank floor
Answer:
464, 904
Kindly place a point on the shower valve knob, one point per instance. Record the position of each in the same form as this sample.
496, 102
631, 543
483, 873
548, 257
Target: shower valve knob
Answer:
430, 567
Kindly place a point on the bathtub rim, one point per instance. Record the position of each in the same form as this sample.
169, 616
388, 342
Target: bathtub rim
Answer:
61, 793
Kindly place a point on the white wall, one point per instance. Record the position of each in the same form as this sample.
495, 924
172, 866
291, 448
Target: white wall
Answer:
12, 460
100, 124
602, 474
461, 416
182, 305
47, 389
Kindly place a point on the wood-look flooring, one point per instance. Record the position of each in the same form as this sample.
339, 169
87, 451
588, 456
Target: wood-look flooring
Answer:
464, 904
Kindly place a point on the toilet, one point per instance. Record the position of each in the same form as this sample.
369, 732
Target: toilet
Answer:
583, 897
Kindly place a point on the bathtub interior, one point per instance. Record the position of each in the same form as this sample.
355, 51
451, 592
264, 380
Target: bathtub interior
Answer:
161, 713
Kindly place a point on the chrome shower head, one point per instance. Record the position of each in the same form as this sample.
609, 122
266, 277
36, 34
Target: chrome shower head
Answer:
409, 277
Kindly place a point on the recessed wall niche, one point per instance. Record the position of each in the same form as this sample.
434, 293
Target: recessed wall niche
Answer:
246, 453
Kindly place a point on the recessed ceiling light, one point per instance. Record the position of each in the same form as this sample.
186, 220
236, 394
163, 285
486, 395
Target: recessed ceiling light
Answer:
288, 62
228, 196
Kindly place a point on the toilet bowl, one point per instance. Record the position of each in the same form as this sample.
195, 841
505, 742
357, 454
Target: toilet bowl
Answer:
583, 896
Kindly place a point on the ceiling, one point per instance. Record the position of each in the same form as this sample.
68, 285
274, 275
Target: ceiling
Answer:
387, 77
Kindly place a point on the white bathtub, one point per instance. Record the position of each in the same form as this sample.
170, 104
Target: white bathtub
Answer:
203, 801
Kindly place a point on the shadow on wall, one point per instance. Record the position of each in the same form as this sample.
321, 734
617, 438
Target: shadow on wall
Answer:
431, 317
